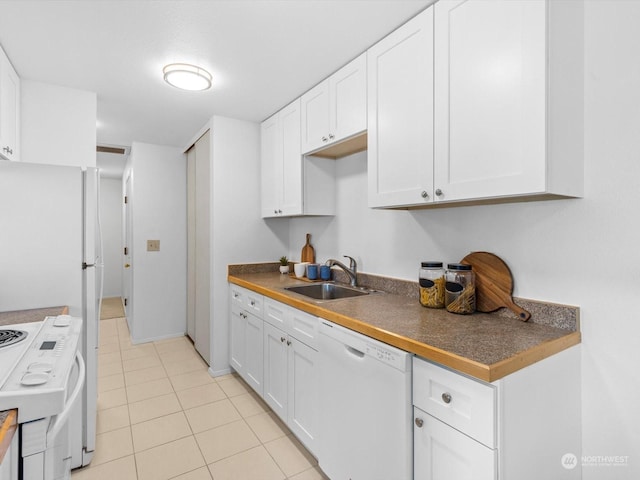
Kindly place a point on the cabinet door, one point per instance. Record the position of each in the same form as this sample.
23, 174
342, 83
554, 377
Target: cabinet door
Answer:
275, 370
315, 117
271, 165
490, 98
9, 110
441, 452
348, 100
253, 371
303, 393
237, 347
291, 167
400, 115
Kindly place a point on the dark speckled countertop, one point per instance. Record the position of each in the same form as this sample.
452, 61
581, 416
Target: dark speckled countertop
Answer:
486, 346
28, 316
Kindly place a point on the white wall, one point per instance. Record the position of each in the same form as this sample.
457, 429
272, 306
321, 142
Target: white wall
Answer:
159, 209
238, 233
111, 220
581, 252
58, 125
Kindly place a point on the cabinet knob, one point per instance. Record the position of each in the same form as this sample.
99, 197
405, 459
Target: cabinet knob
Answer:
282, 339
253, 303
325, 139
275, 211
419, 422
424, 194
235, 295
446, 397
8, 150
332, 136
280, 211
438, 192
288, 342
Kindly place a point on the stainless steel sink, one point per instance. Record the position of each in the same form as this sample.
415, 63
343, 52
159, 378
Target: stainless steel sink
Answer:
328, 291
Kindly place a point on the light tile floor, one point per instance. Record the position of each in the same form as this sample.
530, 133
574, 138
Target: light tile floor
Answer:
162, 416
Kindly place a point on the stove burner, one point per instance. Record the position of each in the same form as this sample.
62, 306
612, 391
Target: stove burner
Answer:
8, 337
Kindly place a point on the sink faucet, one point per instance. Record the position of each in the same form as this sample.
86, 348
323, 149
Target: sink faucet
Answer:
352, 270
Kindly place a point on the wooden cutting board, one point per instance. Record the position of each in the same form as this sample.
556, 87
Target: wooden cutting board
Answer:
308, 253
494, 284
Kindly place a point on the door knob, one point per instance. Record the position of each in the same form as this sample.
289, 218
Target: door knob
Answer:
126, 265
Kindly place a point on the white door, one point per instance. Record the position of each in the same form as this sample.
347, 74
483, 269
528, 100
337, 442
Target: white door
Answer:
275, 369
315, 117
442, 453
270, 166
202, 246
9, 110
400, 115
253, 371
490, 98
303, 393
127, 274
191, 243
291, 160
238, 325
348, 100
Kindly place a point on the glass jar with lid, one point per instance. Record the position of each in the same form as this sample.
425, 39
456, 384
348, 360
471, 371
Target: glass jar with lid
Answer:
460, 289
431, 284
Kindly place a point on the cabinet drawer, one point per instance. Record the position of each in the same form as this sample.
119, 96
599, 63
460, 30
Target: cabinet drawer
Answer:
254, 303
238, 295
304, 327
466, 404
247, 300
277, 314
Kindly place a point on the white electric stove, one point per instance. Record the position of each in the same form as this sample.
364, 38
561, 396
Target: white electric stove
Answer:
39, 377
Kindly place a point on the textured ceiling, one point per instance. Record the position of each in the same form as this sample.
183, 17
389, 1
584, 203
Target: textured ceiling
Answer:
261, 53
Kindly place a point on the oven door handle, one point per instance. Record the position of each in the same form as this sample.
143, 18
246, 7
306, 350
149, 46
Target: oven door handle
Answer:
62, 417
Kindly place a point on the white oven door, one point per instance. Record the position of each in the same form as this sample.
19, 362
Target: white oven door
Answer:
45, 442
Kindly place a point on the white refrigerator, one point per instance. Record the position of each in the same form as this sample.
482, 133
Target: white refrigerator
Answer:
50, 255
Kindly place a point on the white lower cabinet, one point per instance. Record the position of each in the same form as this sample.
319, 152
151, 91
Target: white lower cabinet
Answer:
290, 369
443, 453
275, 369
246, 332
519, 427
273, 348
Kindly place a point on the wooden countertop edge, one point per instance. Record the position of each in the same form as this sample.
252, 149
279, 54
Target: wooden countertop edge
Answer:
7, 430
487, 373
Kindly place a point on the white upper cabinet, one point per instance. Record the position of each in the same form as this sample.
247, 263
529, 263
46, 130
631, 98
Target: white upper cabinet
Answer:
9, 110
400, 115
336, 109
293, 185
507, 106
281, 163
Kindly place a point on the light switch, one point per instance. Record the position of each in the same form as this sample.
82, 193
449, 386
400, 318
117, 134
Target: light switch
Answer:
153, 245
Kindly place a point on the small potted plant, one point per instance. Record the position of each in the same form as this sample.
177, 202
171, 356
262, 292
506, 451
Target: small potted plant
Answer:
284, 265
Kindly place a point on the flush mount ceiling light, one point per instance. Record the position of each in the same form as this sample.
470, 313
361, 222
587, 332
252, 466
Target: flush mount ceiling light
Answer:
187, 77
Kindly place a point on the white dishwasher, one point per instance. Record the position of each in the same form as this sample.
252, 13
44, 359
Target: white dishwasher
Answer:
365, 409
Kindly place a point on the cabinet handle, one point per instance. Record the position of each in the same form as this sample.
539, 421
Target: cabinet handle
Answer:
8, 150
439, 192
424, 194
282, 339
288, 342
280, 211
325, 139
332, 136
446, 397
419, 422
253, 303
275, 211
